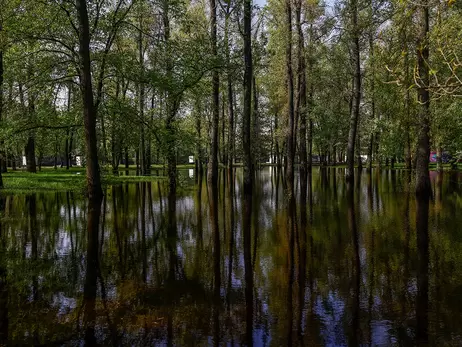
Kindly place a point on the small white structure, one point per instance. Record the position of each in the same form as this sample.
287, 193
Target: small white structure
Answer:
191, 173
78, 160
191, 159
24, 161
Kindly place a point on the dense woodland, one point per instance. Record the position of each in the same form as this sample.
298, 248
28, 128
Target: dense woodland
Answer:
231, 82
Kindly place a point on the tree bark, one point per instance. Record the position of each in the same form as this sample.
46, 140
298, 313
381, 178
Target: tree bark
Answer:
94, 190
231, 132
301, 89
1, 108
356, 97
212, 174
290, 94
255, 125
141, 101
172, 104
31, 164
423, 186
372, 136
247, 114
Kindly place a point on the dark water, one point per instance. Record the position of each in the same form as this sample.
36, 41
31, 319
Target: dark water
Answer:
367, 265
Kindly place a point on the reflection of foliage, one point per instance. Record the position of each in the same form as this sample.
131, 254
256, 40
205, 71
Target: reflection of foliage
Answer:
152, 281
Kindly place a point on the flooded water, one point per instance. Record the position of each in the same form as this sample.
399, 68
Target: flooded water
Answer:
338, 266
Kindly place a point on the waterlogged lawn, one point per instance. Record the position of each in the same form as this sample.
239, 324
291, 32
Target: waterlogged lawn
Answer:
61, 180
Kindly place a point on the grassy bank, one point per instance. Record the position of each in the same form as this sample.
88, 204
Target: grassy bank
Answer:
50, 179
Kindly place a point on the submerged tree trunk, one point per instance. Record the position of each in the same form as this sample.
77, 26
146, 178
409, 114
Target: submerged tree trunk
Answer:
212, 174
246, 122
356, 97
290, 93
94, 190
423, 186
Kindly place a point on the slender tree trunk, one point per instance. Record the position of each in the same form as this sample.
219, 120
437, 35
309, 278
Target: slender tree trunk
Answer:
301, 89
2, 156
310, 132
94, 190
212, 174
356, 97
1, 108
358, 149
68, 131
199, 160
372, 136
71, 145
255, 125
172, 104
141, 100
290, 93
246, 123
231, 133
224, 145
423, 186
407, 100
276, 141
30, 146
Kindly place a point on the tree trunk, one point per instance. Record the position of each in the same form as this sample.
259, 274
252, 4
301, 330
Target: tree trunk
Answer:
231, 132
407, 102
301, 89
141, 101
423, 186
255, 125
276, 140
290, 93
94, 190
247, 114
439, 158
126, 158
199, 160
212, 174
1, 108
30, 155
356, 98
371, 140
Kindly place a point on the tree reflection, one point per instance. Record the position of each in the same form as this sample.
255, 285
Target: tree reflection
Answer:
248, 271
329, 269
354, 331
4, 321
91, 274
422, 270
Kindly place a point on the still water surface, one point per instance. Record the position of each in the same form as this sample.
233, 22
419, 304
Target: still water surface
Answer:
362, 266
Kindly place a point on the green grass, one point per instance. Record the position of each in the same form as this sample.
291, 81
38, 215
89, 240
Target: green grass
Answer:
50, 179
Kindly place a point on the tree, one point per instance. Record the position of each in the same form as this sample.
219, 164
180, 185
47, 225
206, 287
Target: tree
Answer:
94, 190
290, 141
247, 113
356, 88
423, 186
212, 175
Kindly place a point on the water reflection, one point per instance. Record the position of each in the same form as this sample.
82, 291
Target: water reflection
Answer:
338, 265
